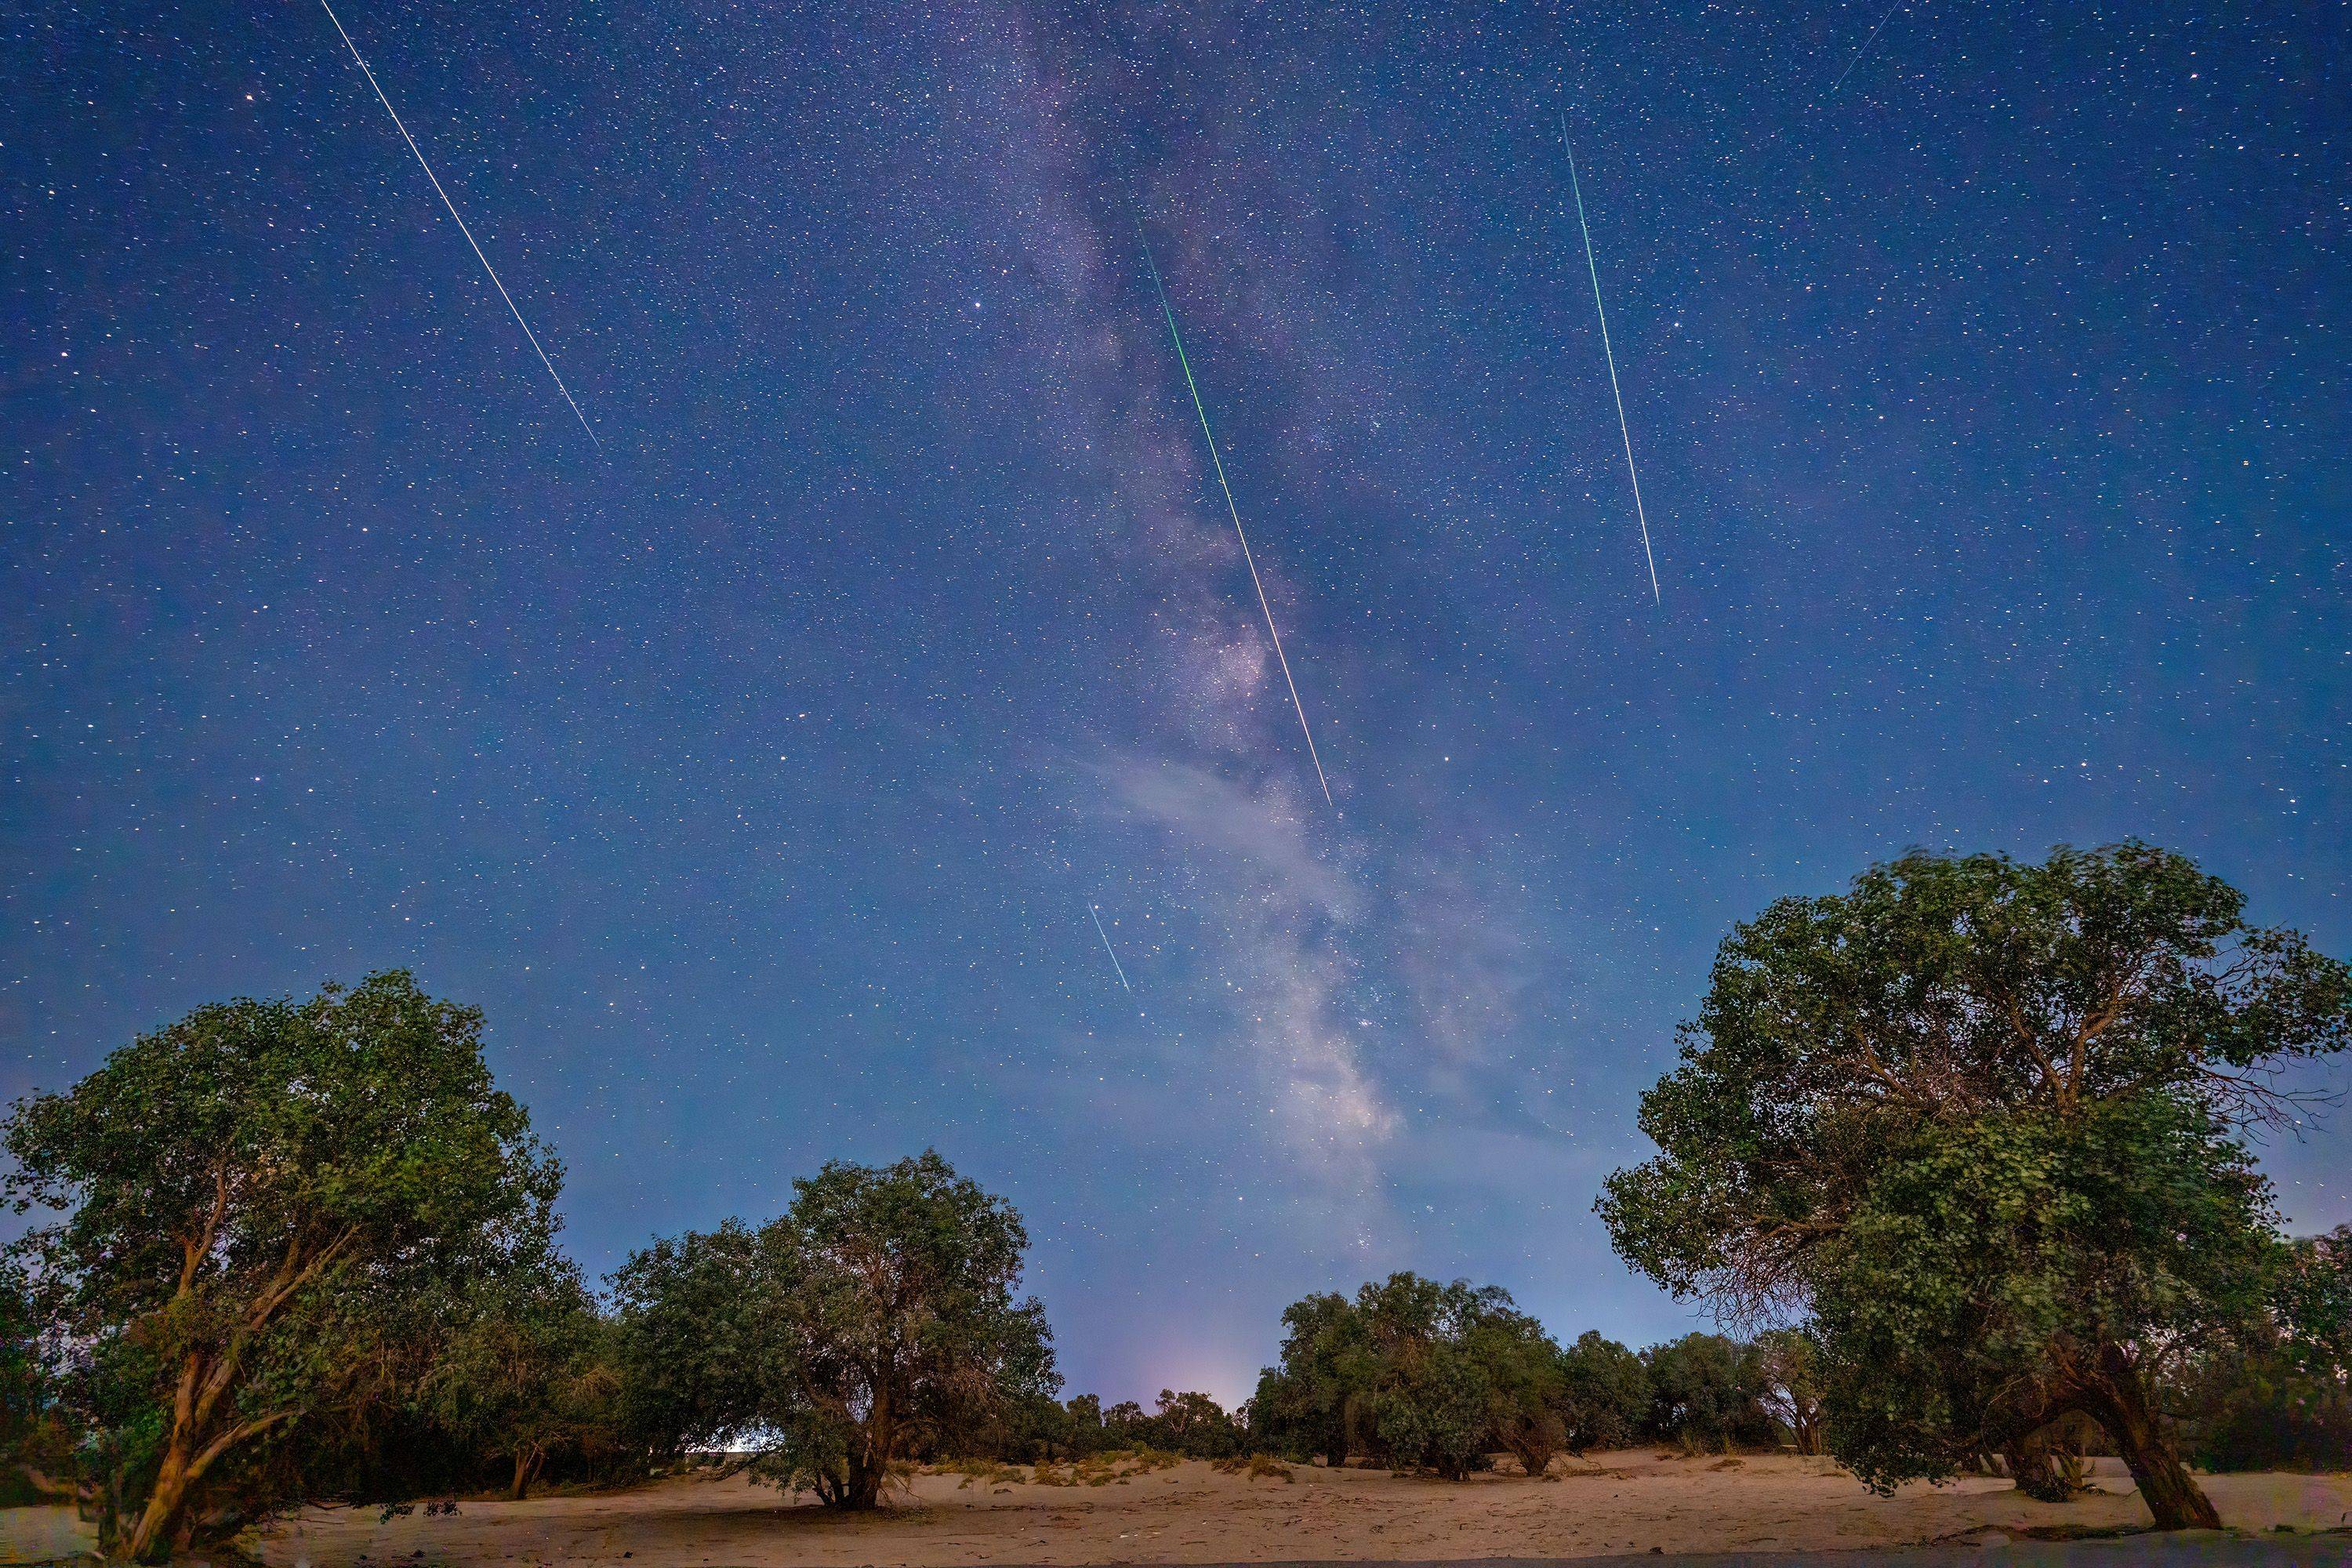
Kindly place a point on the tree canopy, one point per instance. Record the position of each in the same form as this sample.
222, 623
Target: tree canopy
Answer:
256, 1202
526, 1372
1414, 1373
1707, 1391
1605, 1393
876, 1313
1979, 1116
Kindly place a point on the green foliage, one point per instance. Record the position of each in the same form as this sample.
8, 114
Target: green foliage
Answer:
875, 1316
1707, 1394
1791, 1364
1432, 1410
1300, 1407
528, 1375
1036, 1429
1965, 1113
1192, 1424
1605, 1394
1415, 1375
24, 1383
2002, 1271
2312, 1306
2281, 1398
261, 1204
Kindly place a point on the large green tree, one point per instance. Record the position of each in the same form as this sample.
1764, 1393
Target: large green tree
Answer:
1194, 1425
876, 1314
1415, 1374
1981, 1118
252, 1203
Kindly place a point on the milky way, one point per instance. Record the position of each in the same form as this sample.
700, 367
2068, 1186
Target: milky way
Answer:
1993, 410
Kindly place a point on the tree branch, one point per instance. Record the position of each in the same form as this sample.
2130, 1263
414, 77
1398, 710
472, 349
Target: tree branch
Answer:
194, 1252
231, 1438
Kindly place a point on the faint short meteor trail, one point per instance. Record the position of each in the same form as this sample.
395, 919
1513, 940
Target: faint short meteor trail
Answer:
1232, 510
1866, 42
528, 335
1115, 968
1610, 354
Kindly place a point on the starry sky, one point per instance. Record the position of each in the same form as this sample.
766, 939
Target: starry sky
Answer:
755, 767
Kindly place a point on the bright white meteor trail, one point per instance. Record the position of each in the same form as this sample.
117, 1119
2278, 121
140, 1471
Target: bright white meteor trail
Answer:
1115, 969
1865, 46
1233, 512
532, 337
1622, 428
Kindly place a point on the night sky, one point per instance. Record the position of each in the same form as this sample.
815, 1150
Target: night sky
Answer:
755, 772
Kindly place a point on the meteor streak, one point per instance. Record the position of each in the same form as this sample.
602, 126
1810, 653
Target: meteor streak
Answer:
469, 232
1115, 969
1866, 42
1622, 429
1232, 510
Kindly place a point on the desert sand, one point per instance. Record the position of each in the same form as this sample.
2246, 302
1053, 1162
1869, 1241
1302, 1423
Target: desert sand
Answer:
1616, 1503
1191, 1513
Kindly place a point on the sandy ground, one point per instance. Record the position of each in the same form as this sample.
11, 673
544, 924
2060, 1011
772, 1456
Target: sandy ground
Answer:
1625, 1502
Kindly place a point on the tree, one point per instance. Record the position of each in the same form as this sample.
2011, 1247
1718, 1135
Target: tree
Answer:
527, 1373
1429, 1409
1084, 1418
1124, 1426
1195, 1426
2281, 1398
1605, 1393
1301, 1405
24, 1392
1981, 1117
1526, 1386
1414, 1373
876, 1313
254, 1199
1790, 1363
1707, 1393
37, 1436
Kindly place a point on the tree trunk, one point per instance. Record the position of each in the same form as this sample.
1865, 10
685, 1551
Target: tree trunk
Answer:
2165, 1485
2171, 1494
526, 1461
2029, 1466
866, 1466
151, 1536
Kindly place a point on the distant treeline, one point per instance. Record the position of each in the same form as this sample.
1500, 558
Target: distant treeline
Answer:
1411, 1375
1970, 1131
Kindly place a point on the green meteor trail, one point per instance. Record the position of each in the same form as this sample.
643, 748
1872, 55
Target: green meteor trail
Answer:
1233, 512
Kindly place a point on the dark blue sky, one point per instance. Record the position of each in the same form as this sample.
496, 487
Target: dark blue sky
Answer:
755, 775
